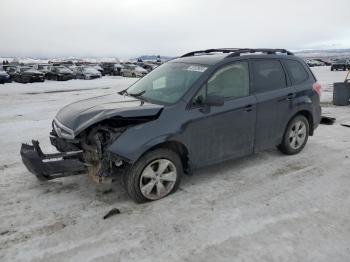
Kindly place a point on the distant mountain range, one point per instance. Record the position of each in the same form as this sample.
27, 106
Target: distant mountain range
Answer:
324, 53
154, 57
329, 53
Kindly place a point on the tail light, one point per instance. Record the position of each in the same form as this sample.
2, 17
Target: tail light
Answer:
317, 88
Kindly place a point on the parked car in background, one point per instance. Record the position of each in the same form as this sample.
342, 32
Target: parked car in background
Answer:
148, 67
87, 72
60, 73
72, 68
4, 77
99, 68
11, 70
27, 74
312, 62
325, 62
117, 69
43, 68
108, 68
340, 64
130, 70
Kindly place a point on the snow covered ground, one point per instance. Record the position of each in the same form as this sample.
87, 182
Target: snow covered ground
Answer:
266, 207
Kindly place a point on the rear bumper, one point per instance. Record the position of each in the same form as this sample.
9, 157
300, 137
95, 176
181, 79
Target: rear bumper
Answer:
50, 166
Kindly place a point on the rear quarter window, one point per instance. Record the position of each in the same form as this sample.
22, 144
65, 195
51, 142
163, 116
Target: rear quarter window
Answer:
296, 71
268, 75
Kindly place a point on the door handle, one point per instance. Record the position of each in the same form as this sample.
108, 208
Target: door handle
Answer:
290, 96
248, 108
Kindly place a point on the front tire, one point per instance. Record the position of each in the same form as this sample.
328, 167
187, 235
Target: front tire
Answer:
295, 136
154, 176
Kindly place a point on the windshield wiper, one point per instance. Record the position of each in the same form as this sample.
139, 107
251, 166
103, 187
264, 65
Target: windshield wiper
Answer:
136, 94
125, 92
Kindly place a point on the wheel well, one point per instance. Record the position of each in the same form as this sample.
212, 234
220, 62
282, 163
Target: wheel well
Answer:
179, 149
309, 118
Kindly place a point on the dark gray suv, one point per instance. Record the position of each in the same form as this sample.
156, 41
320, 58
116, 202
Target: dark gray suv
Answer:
200, 109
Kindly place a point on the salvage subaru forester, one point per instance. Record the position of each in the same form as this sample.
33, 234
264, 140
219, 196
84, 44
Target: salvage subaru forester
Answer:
200, 109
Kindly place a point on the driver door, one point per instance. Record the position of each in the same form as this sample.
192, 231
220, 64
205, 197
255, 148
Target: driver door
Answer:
217, 133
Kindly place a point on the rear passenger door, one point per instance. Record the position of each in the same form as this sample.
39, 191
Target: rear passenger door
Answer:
274, 102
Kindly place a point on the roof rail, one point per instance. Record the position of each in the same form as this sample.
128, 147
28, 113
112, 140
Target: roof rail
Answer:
214, 50
238, 51
259, 50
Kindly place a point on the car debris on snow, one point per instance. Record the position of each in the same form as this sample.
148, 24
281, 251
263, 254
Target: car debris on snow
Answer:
112, 212
326, 120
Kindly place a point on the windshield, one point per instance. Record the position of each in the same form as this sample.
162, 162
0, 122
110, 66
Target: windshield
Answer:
168, 83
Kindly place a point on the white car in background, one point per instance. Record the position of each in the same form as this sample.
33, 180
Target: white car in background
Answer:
86, 72
130, 70
98, 68
43, 68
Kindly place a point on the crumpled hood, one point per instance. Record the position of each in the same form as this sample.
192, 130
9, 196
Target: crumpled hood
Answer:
84, 113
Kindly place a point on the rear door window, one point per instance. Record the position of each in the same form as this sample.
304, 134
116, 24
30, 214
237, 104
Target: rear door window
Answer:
268, 74
231, 81
296, 71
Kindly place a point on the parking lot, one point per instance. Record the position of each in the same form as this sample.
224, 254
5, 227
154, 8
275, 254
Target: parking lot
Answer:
266, 207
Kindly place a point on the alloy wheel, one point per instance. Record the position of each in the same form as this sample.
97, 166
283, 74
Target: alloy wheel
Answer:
158, 179
297, 134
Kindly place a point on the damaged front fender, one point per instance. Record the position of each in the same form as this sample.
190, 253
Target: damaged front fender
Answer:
74, 118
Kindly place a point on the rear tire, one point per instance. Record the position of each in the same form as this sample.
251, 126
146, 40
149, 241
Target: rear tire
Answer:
295, 135
147, 181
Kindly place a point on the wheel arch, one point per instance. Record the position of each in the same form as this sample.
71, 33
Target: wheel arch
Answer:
175, 146
307, 114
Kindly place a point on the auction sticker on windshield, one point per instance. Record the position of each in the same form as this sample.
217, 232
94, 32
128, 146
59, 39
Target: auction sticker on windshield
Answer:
196, 68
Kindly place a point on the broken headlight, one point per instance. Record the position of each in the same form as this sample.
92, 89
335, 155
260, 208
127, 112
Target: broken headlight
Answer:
62, 131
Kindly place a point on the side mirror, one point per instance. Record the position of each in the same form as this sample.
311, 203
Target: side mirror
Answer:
215, 100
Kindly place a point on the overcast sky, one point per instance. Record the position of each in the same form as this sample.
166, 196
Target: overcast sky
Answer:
124, 28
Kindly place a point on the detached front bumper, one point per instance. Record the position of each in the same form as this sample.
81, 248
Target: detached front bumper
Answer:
51, 166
